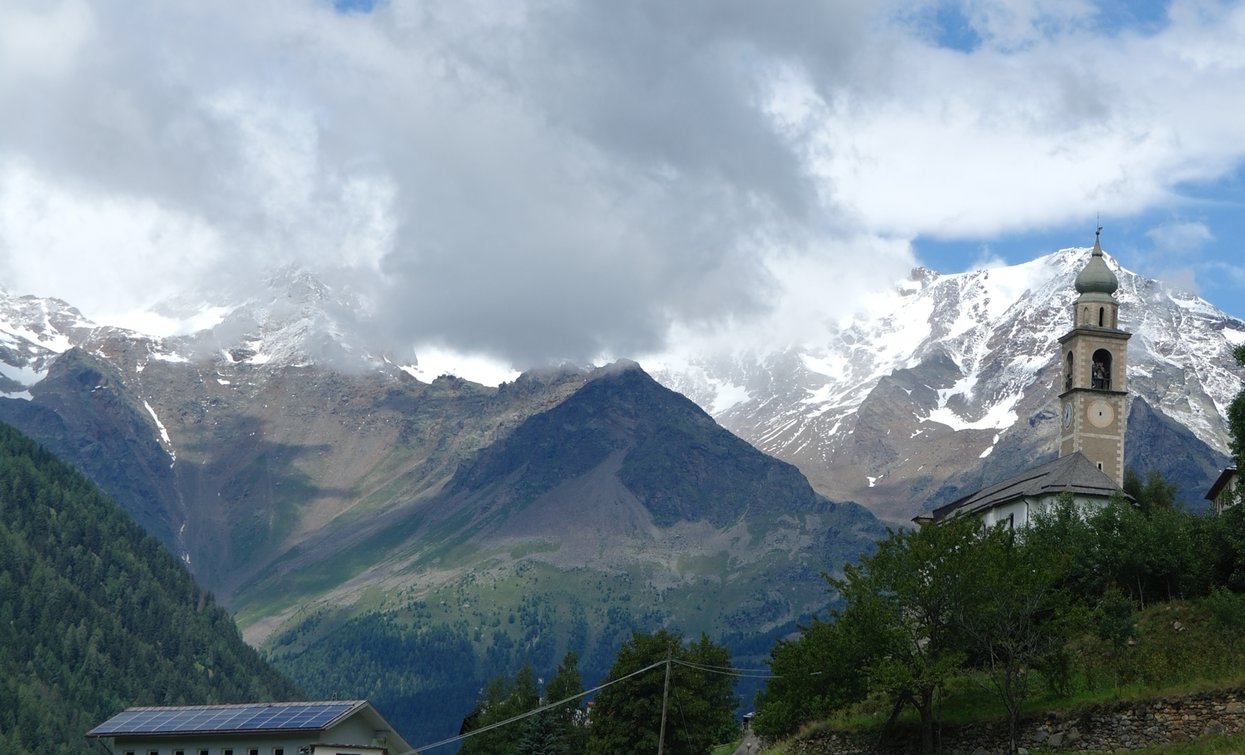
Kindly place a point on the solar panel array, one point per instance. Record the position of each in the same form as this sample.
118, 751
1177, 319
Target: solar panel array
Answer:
219, 718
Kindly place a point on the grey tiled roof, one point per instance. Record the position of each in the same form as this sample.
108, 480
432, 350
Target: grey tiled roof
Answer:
1220, 483
1073, 473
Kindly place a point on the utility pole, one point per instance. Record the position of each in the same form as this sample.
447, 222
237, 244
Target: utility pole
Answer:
665, 698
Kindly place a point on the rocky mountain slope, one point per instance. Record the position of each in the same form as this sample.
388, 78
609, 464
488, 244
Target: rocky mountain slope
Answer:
346, 514
948, 381
623, 508
940, 384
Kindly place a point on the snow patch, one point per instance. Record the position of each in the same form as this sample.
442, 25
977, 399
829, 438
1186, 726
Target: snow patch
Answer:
164, 326
1234, 337
164, 434
49, 338
24, 375
433, 362
168, 356
998, 417
726, 396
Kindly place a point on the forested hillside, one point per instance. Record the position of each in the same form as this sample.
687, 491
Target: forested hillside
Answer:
95, 615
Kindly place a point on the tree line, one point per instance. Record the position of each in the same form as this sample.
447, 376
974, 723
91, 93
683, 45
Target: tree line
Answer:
96, 616
1003, 605
657, 678
941, 602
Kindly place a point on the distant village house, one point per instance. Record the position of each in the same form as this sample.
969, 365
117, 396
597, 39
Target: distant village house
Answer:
336, 727
1222, 493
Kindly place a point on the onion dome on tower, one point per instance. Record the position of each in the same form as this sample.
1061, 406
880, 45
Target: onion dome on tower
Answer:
1096, 278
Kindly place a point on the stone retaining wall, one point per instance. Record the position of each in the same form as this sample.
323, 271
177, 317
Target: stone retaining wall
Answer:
1122, 725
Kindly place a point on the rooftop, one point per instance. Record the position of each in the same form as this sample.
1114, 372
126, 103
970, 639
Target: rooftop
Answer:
217, 719
1073, 473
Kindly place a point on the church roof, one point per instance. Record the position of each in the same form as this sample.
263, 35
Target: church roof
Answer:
1096, 278
1073, 473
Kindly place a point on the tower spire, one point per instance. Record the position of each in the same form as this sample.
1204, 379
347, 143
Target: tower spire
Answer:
1095, 376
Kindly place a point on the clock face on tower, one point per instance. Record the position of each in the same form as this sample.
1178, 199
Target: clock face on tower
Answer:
1100, 413
1067, 415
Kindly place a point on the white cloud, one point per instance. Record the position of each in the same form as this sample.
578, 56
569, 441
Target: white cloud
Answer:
1180, 238
534, 182
43, 40
1015, 24
87, 248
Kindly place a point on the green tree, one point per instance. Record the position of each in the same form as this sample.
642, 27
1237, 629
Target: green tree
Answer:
1011, 616
821, 670
500, 700
626, 717
1152, 494
904, 603
542, 737
95, 615
566, 722
1223, 548
1227, 614
1115, 622
1236, 415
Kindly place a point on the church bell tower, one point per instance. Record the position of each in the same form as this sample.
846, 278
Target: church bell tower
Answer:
1095, 378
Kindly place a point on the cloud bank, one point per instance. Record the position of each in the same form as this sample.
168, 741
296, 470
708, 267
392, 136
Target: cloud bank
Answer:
546, 180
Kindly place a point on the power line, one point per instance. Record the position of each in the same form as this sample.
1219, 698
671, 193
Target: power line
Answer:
728, 671
532, 712
720, 670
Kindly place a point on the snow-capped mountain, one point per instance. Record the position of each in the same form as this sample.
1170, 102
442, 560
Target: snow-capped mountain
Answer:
905, 404
296, 321
33, 332
939, 384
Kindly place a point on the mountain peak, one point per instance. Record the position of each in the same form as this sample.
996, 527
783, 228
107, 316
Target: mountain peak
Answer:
887, 406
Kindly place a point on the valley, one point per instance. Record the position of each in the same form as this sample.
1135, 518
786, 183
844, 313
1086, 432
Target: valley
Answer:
381, 536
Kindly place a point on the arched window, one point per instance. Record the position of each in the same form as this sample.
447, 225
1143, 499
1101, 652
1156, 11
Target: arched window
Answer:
1102, 316
1067, 373
1100, 376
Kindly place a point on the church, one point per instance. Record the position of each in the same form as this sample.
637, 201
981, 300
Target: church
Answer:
1094, 406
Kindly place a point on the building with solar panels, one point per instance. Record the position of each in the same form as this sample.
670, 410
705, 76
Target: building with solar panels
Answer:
336, 727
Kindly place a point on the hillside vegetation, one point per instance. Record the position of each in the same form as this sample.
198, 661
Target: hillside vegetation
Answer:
622, 509
96, 616
955, 623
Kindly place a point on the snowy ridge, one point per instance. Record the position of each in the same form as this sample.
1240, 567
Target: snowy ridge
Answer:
33, 332
962, 359
887, 403
953, 316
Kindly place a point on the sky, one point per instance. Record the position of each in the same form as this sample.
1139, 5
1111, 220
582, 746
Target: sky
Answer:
538, 181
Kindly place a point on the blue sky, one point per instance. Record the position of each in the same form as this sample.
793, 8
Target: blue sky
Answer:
1194, 243
532, 181
1194, 240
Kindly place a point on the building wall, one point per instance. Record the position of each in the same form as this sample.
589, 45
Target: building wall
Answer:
264, 745
1019, 513
352, 737
1227, 496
